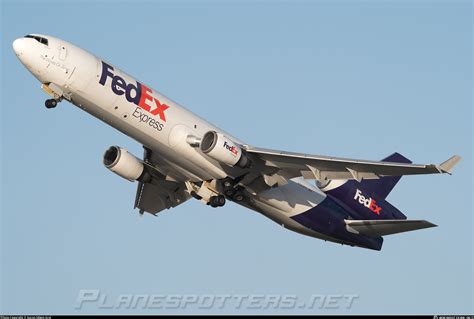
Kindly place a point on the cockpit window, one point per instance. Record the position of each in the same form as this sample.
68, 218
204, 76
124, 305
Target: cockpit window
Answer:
37, 38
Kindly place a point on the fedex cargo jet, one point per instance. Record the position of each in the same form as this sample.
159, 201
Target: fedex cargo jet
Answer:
335, 199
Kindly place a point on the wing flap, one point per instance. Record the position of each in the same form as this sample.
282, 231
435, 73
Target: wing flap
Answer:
159, 193
385, 227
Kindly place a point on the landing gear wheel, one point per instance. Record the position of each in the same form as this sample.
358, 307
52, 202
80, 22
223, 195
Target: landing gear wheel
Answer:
228, 187
217, 201
238, 196
221, 200
51, 103
229, 192
227, 183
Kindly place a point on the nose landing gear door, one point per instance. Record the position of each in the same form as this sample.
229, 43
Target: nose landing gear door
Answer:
62, 52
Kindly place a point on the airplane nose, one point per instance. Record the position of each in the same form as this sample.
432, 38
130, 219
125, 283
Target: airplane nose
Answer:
18, 46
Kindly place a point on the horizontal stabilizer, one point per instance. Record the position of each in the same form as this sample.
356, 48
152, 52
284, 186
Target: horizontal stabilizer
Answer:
377, 228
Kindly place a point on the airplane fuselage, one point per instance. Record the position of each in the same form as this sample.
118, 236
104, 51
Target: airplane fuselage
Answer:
165, 127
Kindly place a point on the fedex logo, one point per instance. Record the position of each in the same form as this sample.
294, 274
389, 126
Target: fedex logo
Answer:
231, 148
138, 94
367, 202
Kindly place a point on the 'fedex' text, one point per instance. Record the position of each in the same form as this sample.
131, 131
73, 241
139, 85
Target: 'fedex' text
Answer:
231, 148
367, 202
137, 93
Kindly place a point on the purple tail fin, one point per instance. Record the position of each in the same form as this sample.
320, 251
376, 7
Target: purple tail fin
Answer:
384, 185
367, 198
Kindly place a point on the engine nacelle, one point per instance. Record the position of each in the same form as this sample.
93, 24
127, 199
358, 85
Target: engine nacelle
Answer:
124, 164
221, 148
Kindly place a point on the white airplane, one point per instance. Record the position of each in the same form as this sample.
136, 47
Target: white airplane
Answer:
186, 156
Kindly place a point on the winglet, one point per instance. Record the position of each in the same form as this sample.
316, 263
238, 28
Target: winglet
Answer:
448, 166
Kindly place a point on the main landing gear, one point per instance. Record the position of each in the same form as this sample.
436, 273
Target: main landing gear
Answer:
238, 196
216, 193
231, 191
51, 103
217, 201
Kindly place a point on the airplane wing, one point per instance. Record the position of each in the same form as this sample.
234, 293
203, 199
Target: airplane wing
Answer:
288, 165
153, 198
159, 193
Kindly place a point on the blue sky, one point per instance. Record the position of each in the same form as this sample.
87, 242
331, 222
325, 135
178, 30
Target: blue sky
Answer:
357, 79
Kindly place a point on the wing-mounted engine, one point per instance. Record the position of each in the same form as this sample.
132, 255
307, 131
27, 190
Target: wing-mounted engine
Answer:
219, 147
124, 164
155, 190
